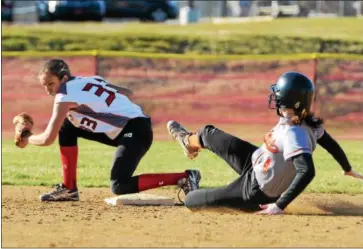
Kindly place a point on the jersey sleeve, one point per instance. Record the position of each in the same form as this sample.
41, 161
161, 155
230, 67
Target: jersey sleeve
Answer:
60, 97
296, 142
65, 94
99, 79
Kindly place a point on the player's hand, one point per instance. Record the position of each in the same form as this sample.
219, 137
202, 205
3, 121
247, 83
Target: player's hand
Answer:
352, 173
270, 209
23, 126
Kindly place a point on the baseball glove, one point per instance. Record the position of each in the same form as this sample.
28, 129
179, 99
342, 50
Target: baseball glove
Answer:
23, 125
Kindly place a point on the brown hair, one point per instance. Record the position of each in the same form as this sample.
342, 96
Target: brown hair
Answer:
309, 117
56, 67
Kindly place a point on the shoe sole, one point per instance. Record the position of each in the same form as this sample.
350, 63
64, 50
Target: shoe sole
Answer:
186, 151
60, 200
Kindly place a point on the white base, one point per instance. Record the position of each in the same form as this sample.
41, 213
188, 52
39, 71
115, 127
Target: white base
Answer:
140, 199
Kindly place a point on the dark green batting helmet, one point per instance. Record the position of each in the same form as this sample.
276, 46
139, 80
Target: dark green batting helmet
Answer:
292, 90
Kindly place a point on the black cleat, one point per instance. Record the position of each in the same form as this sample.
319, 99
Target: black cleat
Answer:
191, 182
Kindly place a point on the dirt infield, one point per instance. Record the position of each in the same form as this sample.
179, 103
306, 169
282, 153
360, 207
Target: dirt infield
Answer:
313, 221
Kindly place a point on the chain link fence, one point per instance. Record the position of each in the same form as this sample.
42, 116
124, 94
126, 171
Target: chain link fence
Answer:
232, 91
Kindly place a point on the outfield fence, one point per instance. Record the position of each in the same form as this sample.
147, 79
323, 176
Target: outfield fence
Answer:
192, 88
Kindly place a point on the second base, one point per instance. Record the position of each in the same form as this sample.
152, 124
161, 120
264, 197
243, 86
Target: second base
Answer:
140, 199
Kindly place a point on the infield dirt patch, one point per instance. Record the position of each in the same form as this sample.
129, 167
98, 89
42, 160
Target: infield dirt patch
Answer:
313, 220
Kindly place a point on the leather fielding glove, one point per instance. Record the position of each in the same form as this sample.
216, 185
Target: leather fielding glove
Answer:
23, 125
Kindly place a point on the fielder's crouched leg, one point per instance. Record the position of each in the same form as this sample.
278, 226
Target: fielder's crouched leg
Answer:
127, 157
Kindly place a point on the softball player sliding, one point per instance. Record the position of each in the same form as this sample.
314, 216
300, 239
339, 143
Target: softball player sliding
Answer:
273, 175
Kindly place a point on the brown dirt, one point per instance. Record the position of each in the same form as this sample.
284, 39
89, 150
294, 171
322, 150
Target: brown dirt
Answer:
313, 220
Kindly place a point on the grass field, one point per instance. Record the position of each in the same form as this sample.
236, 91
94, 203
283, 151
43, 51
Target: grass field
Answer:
335, 28
41, 166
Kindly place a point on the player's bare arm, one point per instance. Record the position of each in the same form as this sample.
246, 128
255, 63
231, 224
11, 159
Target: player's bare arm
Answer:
47, 137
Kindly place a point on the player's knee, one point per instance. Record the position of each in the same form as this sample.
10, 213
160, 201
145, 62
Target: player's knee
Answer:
114, 188
117, 188
120, 187
116, 191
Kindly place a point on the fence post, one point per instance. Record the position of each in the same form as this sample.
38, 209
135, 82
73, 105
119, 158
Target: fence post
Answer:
341, 8
95, 57
315, 77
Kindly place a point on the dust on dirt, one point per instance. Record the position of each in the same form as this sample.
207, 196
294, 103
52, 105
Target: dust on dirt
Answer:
313, 220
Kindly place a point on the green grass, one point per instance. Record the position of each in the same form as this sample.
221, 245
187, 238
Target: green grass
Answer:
41, 166
332, 28
281, 36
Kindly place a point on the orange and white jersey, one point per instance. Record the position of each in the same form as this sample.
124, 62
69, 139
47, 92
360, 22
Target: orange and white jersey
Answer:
272, 162
101, 108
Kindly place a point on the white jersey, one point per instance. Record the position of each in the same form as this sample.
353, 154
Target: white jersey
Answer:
102, 109
272, 162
